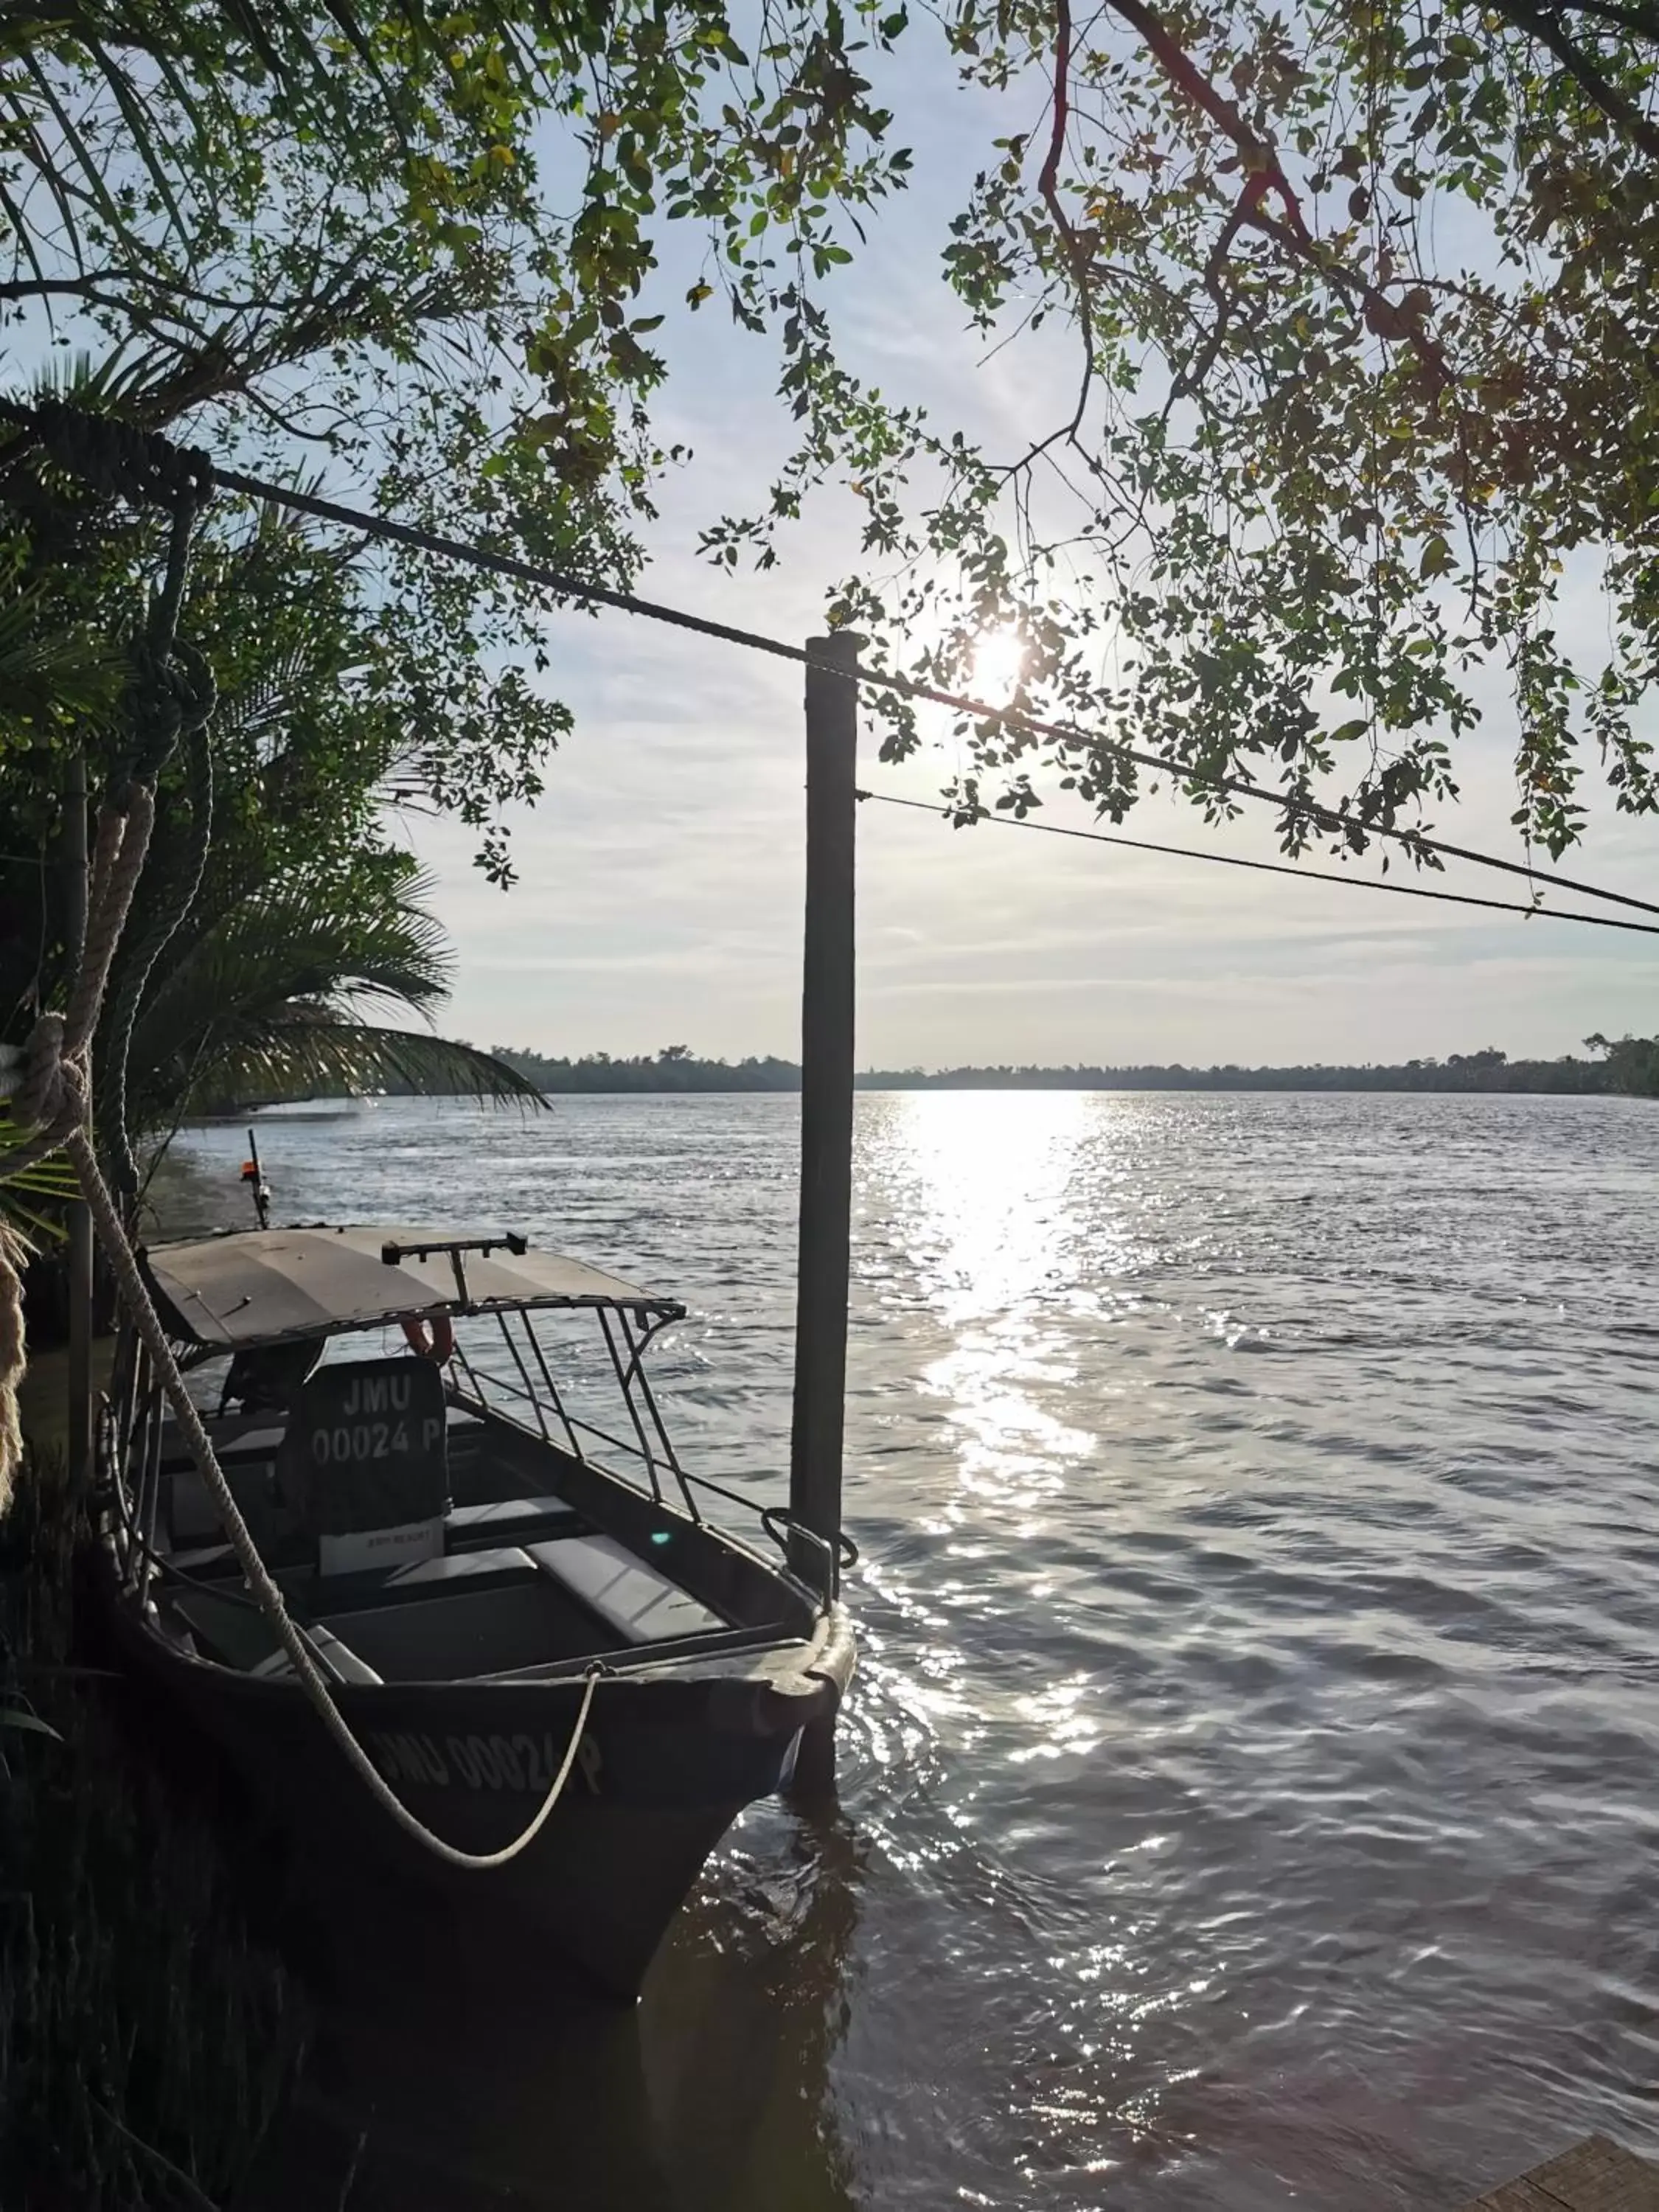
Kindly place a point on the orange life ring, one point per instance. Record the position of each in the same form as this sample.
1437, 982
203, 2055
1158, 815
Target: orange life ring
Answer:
433, 1339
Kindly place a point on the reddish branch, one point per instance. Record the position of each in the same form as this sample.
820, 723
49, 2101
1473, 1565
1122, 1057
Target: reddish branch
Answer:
1076, 255
1262, 172
1265, 179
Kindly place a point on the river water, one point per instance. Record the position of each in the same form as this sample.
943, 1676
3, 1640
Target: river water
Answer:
1250, 1790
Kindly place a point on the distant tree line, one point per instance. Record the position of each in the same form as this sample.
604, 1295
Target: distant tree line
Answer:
1628, 1067
674, 1068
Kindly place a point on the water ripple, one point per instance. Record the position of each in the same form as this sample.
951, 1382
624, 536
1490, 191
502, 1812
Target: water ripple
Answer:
1249, 1784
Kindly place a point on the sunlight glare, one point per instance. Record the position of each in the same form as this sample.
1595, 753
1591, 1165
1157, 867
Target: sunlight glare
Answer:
998, 665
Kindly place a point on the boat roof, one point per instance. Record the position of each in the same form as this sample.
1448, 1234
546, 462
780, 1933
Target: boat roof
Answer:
266, 1285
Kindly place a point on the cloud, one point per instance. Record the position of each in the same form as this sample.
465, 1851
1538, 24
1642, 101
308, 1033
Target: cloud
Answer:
661, 876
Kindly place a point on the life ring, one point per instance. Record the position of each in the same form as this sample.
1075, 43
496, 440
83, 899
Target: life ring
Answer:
433, 1339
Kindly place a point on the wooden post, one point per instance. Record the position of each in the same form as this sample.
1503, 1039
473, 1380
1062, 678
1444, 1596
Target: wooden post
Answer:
78, 1424
826, 1146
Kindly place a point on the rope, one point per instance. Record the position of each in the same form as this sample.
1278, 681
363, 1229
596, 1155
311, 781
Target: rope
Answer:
1268, 867
11, 1359
122, 1016
118, 1249
173, 697
576, 587
905, 687
55, 1095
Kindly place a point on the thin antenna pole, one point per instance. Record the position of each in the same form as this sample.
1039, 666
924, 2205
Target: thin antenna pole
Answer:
253, 1175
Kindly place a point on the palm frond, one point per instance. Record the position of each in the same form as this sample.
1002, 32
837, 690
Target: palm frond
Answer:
49, 1181
314, 1054
267, 1003
321, 942
48, 672
260, 713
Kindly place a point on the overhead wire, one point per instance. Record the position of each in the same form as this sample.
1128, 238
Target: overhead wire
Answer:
1269, 868
1330, 820
566, 586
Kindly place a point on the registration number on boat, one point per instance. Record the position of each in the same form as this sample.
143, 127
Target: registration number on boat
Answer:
520, 1763
362, 1441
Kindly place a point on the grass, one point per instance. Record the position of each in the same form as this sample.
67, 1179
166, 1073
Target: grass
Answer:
147, 2038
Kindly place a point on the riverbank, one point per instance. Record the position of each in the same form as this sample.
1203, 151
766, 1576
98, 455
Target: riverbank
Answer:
1629, 1068
149, 2036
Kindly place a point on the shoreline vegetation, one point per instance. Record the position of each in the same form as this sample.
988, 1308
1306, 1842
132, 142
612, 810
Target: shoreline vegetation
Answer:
1628, 1067
151, 2036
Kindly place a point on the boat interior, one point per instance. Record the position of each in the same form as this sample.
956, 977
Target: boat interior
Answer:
421, 1533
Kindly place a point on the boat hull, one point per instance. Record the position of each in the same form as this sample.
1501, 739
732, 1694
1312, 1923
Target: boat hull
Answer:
667, 1760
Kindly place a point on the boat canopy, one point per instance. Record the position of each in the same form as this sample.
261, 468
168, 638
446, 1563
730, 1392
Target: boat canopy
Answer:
265, 1286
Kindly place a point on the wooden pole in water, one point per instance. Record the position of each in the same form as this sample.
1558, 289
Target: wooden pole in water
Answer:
826, 1146
78, 1422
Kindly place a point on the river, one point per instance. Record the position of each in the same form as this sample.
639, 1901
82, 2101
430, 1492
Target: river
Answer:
1250, 1790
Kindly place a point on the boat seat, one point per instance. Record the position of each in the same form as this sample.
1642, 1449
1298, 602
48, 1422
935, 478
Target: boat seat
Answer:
235, 1437
512, 1519
439, 1577
337, 1658
637, 1601
237, 1634
499, 1518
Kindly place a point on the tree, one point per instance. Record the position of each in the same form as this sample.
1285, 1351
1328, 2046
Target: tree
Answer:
290, 231
304, 911
1363, 305
1631, 1063
268, 1002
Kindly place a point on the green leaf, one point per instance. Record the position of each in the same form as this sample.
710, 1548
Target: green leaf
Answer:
14, 1717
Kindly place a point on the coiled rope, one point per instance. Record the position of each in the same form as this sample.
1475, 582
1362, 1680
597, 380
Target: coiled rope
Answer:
54, 1100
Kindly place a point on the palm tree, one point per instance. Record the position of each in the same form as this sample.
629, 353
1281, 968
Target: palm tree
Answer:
304, 935
269, 1001
47, 1182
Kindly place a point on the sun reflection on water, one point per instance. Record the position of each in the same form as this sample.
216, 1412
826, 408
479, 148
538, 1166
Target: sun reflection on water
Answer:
1003, 1249
982, 1204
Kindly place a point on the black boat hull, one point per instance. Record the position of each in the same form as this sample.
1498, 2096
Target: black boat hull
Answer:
668, 1759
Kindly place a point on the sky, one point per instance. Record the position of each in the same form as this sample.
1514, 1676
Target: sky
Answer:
660, 876
660, 891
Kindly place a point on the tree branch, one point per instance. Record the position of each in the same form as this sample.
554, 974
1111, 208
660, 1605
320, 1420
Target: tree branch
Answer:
1264, 176
1260, 159
1048, 191
1641, 22
1540, 23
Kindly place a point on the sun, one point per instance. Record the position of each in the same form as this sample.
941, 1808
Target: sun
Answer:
996, 666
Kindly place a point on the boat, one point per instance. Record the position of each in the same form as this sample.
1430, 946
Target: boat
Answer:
483, 1578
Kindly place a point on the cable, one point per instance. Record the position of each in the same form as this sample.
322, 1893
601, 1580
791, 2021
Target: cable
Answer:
572, 587
507, 564
1275, 867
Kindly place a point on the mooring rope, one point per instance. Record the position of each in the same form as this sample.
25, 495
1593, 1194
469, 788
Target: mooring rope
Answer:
111, 1234
13, 1251
54, 1100
58, 1095
122, 1017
